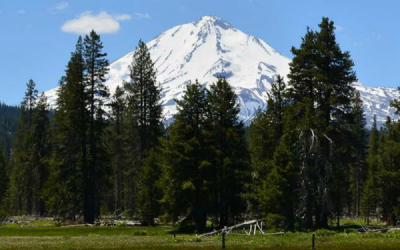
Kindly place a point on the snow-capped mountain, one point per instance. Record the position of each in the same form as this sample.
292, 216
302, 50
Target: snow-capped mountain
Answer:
204, 50
211, 47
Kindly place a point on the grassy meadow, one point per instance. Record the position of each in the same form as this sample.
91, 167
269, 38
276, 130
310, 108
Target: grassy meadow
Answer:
47, 235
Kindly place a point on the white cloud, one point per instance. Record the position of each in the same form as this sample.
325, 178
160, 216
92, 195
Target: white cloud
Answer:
123, 17
21, 12
61, 6
142, 15
101, 23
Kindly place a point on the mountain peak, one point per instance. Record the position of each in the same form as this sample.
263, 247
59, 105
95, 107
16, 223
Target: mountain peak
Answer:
209, 18
213, 21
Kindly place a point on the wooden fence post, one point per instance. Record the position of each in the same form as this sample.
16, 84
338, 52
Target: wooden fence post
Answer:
223, 239
313, 241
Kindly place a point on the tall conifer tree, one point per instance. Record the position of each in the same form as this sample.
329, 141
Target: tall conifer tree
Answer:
41, 152
22, 175
321, 80
96, 69
230, 156
118, 146
144, 118
188, 175
69, 140
359, 146
369, 198
29, 168
265, 133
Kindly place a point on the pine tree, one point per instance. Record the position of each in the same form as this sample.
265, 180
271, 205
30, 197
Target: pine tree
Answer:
359, 140
29, 101
144, 116
96, 66
117, 146
22, 175
187, 172
230, 156
370, 192
320, 83
40, 152
265, 133
28, 164
69, 139
144, 99
301, 95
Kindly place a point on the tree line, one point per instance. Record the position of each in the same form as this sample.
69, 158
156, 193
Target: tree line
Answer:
9, 117
306, 161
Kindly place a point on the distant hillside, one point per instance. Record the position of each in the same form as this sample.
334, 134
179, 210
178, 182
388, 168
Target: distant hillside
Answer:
9, 116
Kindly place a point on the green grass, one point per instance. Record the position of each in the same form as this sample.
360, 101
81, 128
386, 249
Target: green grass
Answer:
38, 231
47, 236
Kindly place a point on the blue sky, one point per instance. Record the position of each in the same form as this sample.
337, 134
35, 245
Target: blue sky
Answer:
37, 37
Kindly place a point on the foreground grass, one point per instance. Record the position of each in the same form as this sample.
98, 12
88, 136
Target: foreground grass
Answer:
121, 238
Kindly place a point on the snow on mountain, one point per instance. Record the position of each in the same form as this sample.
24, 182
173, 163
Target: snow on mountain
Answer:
376, 102
212, 47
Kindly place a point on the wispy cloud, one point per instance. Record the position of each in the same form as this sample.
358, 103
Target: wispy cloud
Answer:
58, 8
21, 12
102, 23
123, 17
61, 6
139, 15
